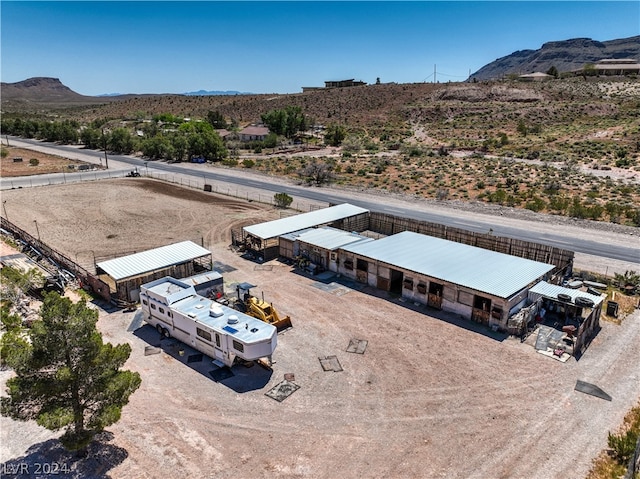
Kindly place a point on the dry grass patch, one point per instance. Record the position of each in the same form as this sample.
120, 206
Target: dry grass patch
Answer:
34, 163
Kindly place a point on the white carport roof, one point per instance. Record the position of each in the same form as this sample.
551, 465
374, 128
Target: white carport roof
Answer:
326, 237
152, 260
553, 290
483, 270
275, 228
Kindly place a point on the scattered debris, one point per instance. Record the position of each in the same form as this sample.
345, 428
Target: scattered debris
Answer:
330, 363
149, 350
357, 346
282, 391
290, 376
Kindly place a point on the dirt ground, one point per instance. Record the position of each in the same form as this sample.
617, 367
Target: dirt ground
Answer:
433, 395
47, 163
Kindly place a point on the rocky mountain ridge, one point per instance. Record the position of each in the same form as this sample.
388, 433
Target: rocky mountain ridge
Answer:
566, 55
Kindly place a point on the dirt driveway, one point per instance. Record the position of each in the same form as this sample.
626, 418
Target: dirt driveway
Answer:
432, 396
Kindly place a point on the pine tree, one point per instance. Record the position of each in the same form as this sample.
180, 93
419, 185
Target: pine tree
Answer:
66, 377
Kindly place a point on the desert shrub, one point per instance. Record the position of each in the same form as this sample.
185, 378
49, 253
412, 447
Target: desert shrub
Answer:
282, 200
34, 162
623, 445
536, 204
248, 163
230, 162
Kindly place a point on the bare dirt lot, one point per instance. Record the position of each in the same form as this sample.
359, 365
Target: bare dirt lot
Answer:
46, 163
432, 396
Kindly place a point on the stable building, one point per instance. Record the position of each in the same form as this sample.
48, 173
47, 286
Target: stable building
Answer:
263, 239
482, 285
126, 274
318, 247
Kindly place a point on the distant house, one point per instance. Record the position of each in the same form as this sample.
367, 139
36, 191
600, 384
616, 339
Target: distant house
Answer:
343, 83
535, 76
614, 67
225, 134
617, 66
253, 133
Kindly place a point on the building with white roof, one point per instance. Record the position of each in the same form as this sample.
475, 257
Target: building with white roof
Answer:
318, 245
482, 285
125, 274
263, 238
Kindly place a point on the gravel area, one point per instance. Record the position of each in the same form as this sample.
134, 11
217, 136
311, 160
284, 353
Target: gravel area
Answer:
433, 395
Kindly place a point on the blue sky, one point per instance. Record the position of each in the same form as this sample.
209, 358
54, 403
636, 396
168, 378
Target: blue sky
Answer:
279, 47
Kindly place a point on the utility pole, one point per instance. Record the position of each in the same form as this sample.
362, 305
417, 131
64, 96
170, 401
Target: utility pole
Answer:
37, 229
104, 143
434, 74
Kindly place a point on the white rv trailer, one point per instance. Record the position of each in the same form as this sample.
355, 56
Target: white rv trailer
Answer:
176, 310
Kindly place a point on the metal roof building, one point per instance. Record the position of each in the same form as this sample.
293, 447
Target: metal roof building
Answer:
482, 284
263, 237
318, 245
125, 274
483, 270
326, 237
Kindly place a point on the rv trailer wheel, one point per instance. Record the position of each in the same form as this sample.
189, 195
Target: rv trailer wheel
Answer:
165, 333
159, 329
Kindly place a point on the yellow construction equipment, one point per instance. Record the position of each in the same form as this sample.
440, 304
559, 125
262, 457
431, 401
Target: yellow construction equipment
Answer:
259, 308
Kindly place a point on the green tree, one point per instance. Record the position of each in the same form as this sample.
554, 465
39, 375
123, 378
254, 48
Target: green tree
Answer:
282, 200
91, 138
287, 122
553, 71
216, 120
66, 377
121, 141
16, 283
335, 134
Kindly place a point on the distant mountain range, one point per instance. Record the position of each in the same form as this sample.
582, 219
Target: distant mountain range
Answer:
190, 93
565, 55
51, 91
216, 92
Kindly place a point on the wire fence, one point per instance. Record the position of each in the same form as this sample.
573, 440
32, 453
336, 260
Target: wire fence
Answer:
633, 470
202, 184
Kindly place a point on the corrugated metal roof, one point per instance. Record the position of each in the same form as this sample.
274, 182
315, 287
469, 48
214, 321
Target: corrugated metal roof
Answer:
273, 229
151, 260
553, 290
329, 238
497, 274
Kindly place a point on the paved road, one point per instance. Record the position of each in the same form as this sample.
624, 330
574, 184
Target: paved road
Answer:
119, 165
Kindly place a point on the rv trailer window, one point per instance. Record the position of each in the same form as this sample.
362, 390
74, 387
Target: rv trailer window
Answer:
144, 301
153, 306
217, 340
238, 346
203, 334
161, 310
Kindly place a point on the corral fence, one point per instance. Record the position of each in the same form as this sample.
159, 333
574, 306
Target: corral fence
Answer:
633, 470
386, 224
62, 263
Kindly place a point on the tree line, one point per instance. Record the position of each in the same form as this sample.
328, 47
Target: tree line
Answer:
166, 136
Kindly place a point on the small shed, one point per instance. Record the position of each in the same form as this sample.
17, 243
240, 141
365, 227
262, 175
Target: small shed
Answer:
126, 274
572, 311
263, 238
